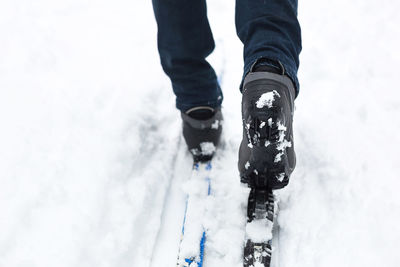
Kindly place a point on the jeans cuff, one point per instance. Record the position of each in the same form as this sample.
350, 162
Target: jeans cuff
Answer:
209, 103
289, 69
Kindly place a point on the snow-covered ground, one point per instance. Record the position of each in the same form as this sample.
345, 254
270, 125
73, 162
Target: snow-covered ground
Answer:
92, 164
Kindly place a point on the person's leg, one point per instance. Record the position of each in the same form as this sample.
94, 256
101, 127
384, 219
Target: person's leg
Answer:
184, 41
271, 36
270, 29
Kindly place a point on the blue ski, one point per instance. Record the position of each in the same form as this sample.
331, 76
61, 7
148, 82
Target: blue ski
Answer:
193, 237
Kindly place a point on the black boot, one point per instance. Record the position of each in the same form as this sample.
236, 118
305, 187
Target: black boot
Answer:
266, 155
202, 127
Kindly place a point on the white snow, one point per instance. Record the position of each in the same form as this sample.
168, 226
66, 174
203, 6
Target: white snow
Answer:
267, 99
282, 142
267, 143
282, 128
256, 230
247, 165
92, 163
215, 124
207, 148
280, 177
270, 122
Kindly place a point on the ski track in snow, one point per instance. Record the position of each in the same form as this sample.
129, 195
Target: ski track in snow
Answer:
166, 245
90, 173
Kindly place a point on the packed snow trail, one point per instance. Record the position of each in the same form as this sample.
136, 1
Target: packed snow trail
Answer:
167, 243
89, 134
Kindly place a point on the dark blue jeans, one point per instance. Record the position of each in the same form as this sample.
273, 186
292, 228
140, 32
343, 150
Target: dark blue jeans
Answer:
269, 29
